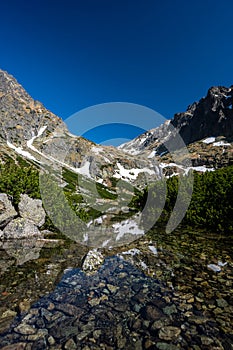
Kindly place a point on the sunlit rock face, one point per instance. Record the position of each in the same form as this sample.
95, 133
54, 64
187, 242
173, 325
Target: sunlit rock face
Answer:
212, 116
92, 261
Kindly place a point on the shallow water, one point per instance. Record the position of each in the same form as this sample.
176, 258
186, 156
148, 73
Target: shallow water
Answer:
176, 295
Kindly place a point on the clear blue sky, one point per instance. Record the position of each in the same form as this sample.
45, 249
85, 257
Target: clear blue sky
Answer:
71, 54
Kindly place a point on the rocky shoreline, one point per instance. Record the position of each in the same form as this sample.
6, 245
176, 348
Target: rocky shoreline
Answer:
118, 306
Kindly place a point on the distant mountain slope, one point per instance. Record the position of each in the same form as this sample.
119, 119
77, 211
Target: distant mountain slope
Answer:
212, 116
29, 129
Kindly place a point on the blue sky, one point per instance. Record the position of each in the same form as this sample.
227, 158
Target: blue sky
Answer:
74, 54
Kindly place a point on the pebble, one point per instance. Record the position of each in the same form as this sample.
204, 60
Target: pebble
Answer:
70, 345
169, 333
152, 313
16, 346
25, 329
206, 340
169, 310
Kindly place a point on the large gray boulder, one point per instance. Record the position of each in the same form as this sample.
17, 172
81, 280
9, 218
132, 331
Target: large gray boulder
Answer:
32, 210
7, 211
21, 228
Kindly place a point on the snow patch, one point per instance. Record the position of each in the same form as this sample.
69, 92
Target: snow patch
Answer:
40, 132
221, 143
96, 150
209, 140
152, 154
143, 139
105, 243
131, 174
214, 267
144, 265
126, 227
201, 168
84, 170
217, 268
20, 151
133, 252
153, 249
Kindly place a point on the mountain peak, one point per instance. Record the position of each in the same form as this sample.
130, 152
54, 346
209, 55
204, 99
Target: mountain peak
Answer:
9, 85
21, 117
211, 116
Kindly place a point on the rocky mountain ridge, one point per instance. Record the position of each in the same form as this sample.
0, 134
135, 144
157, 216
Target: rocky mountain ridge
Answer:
30, 130
212, 117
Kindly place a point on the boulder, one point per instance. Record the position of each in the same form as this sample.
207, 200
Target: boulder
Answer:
32, 210
7, 211
92, 261
21, 228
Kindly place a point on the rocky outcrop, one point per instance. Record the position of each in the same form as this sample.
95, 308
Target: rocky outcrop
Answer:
21, 117
28, 129
31, 216
32, 210
211, 116
7, 211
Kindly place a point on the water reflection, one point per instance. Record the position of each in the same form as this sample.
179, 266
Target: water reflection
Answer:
192, 274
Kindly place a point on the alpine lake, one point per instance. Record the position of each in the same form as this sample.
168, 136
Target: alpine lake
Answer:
162, 291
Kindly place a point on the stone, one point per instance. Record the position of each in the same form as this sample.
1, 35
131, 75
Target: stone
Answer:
151, 313
157, 325
70, 345
82, 335
21, 228
121, 343
206, 340
169, 333
7, 211
112, 288
24, 305
51, 340
42, 333
8, 313
166, 346
148, 344
32, 210
222, 303
169, 310
15, 346
92, 261
97, 333
96, 301
25, 329
138, 345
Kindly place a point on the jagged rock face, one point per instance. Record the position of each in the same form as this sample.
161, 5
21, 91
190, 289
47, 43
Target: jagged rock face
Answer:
40, 136
211, 116
21, 117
